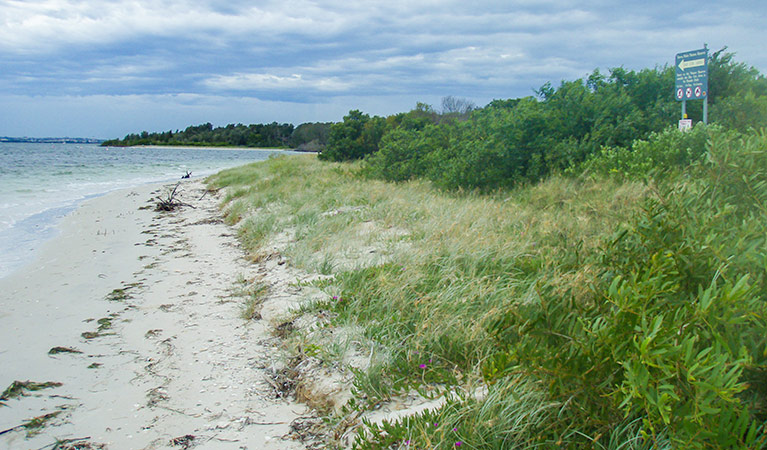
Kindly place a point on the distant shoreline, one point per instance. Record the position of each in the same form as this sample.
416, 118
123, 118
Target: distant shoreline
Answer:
213, 147
50, 140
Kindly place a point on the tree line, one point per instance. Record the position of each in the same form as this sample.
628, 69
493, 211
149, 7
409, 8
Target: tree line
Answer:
307, 136
559, 128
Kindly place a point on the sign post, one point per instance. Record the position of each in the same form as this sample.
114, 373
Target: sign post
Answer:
692, 79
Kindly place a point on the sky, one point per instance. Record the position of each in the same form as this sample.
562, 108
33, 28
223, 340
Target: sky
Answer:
106, 68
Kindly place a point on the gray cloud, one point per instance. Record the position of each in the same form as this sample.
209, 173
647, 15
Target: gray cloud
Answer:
319, 55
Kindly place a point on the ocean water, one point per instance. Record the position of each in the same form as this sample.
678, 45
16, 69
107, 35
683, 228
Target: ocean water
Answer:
42, 183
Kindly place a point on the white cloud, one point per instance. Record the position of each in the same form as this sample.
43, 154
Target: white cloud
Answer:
49, 25
267, 82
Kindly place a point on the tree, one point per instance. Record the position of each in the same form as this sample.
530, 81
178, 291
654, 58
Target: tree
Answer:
358, 135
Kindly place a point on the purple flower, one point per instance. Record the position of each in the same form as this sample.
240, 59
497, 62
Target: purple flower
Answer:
422, 366
458, 444
455, 429
335, 297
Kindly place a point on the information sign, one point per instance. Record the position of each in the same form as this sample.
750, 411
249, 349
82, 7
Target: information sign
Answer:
692, 75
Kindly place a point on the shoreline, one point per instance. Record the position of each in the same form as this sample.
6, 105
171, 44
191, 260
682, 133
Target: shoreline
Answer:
51, 221
147, 298
213, 147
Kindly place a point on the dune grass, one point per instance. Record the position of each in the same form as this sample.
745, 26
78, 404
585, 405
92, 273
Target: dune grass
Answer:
447, 265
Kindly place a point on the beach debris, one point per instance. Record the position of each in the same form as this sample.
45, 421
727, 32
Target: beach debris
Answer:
156, 395
284, 329
19, 388
122, 294
105, 323
34, 425
306, 430
75, 444
153, 333
57, 350
170, 202
118, 295
184, 442
283, 381
188, 175
95, 365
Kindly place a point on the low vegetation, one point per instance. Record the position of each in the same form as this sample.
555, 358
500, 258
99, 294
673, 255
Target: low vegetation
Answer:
594, 283
597, 310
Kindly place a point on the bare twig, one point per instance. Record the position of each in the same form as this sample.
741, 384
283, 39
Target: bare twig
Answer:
170, 203
11, 429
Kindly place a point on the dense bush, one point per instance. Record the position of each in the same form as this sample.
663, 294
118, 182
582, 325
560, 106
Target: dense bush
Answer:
668, 151
598, 118
675, 330
358, 135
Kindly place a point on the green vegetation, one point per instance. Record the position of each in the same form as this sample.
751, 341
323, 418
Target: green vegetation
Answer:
591, 278
307, 136
253, 293
524, 140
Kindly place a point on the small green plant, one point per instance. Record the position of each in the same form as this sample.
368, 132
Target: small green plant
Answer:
254, 295
326, 265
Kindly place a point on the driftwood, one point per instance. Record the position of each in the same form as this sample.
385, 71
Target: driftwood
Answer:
169, 202
188, 175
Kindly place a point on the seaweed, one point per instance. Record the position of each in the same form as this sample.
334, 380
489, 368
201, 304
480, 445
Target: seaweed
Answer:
19, 388
57, 350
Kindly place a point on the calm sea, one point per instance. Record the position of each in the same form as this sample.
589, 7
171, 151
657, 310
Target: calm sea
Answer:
41, 183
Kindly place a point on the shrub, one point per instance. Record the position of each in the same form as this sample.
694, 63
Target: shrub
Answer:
358, 135
675, 330
668, 151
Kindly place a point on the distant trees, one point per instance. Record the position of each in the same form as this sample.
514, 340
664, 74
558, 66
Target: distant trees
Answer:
271, 135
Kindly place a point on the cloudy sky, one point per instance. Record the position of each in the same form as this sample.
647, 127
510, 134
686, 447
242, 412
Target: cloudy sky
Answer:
104, 68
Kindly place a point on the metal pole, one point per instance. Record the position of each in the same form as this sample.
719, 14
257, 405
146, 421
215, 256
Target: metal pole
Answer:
705, 111
684, 109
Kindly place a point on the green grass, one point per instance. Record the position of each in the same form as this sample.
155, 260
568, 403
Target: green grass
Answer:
253, 294
450, 264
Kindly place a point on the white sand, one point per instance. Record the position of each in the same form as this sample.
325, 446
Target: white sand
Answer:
178, 358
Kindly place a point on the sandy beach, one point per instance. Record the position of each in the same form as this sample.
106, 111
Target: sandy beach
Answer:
136, 314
